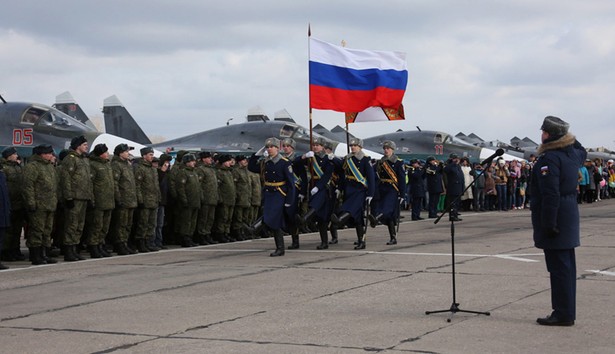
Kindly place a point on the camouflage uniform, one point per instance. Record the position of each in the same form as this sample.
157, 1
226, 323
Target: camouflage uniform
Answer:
14, 179
103, 184
40, 183
148, 198
188, 202
76, 186
226, 203
209, 200
125, 202
255, 197
241, 211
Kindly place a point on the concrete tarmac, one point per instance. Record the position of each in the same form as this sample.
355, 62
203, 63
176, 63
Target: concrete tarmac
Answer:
234, 298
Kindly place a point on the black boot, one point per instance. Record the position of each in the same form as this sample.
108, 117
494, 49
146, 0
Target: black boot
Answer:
46, 255
3, 267
76, 251
279, 244
360, 241
220, 238
255, 228
210, 240
7, 256
393, 240
94, 251
306, 218
141, 247
201, 240
295, 244
36, 256
103, 250
340, 220
187, 242
69, 255
324, 236
18, 255
374, 220
130, 249
333, 231
121, 249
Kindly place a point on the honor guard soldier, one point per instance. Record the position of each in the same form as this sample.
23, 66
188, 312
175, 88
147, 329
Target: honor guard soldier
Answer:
148, 198
391, 190
433, 174
40, 186
555, 215
76, 189
209, 198
300, 176
13, 170
320, 168
188, 199
454, 186
335, 192
99, 217
358, 184
125, 196
416, 176
278, 191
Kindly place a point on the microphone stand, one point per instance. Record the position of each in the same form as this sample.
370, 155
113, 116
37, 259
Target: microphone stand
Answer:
455, 305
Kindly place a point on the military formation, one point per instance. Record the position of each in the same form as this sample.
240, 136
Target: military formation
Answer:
105, 203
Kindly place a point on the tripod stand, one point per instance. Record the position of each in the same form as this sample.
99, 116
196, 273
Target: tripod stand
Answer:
455, 305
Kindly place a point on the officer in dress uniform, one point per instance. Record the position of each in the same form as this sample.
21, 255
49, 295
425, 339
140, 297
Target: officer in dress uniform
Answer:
416, 176
320, 167
279, 190
433, 173
14, 178
300, 177
555, 215
391, 190
334, 188
358, 183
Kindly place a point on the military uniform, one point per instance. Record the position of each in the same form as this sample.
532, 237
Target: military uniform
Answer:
125, 196
454, 186
14, 179
99, 217
433, 174
416, 175
209, 199
243, 190
148, 198
76, 191
40, 184
255, 197
300, 185
5, 211
188, 200
226, 202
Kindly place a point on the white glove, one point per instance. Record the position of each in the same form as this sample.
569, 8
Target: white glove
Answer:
287, 205
338, 193
331, 156
260, 152
368, 200
314, 191
301, 198
308, 154
265, 153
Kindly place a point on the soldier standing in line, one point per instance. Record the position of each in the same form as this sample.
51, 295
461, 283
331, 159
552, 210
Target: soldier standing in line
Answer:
334, 188
209, 198
226, 202
279, 190
148, 199
433, 173
416, 175
172, 216
14, 179
242, 199
99, 217
256, 197
358, 183
300, 176
40, 186
76, 186
163, 183
391, 190
188, 200
125, 199
5, 211
320, 168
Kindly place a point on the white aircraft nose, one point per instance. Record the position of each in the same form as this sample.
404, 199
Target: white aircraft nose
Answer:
112, 141
485, 153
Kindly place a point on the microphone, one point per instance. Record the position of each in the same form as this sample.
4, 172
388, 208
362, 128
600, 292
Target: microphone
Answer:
498, 152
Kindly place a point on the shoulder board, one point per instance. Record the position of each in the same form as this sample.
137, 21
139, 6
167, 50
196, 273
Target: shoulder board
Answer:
284, 158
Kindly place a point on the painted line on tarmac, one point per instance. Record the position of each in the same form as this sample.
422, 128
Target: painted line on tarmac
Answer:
603, 272
512, 257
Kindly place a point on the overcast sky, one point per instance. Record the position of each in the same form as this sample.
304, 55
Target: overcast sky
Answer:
493, 68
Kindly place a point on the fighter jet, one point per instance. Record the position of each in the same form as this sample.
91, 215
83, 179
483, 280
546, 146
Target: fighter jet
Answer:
27, 124
242, 138
67, 104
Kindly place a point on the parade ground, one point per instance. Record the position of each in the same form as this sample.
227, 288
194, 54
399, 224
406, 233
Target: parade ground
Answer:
234, 298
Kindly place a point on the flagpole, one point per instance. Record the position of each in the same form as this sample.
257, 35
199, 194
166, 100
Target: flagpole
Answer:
309, 90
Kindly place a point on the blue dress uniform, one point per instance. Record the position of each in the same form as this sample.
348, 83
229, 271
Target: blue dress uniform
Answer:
358, 183
278, 192
555, 216
433, 174
391, 179
417, 189
454, 186
300, 184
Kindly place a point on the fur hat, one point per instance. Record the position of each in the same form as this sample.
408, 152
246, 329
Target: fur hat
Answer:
289, 142
223, 158
319, 141
356, 141
389, 144
188, 157
204, 154
146, 150
165, 157
555, 126
8, 152
272, 142
77, 141
43, 149
239, 158
100, 149
120, 148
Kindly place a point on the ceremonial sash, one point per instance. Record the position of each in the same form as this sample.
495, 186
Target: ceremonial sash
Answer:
393, 177
355, 172
316, 168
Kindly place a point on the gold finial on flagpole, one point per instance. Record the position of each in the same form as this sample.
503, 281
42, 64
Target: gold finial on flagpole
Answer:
343, 43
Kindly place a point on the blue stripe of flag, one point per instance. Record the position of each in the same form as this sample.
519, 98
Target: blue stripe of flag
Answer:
353, 79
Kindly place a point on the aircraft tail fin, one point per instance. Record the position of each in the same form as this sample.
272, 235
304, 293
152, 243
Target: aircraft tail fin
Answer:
67, 104
120, 123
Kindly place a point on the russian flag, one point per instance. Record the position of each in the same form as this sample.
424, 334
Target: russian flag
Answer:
351, 80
